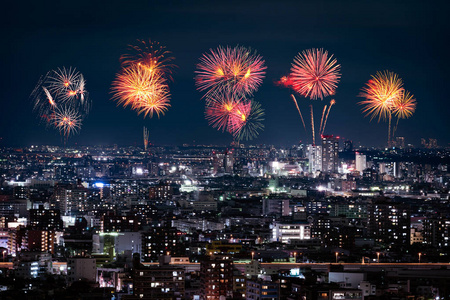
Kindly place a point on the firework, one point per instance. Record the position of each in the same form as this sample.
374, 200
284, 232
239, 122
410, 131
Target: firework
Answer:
404, 106
220, 110
332, 102
322, 119
67, 120
149, 55
60, 98
246, 121
298, 109
314, 74
145, 91
145, 138
381, 93
312, 125
237, 70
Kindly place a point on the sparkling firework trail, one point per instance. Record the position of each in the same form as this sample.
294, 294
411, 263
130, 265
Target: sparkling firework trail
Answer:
237, 70
146, 134
332, 102
404, 108
321, 119
150, 55
298, 109
312, 125
314, 74
141, 89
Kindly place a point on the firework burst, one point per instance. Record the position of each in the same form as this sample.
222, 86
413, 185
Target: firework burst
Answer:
220, 110
381, 94
142, 89
314, 74
150, 55
67, 120
404, 106
60, 98
238, 70
246, 121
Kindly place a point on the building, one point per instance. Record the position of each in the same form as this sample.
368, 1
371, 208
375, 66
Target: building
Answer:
216, 279
360, 162
158, 241
330, 154
436, 232
314, 155
262, 288
159, 282
81, 268
48, 219
277, 207
389, 222
288, 232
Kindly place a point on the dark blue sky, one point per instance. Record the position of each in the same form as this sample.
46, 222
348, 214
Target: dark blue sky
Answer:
407, 37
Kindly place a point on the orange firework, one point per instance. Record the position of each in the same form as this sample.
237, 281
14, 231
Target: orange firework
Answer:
149, 55
404, 106
142, 89
381, 93
67, 120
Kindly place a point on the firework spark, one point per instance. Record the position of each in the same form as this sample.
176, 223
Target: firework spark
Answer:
404, 106
220, 110
145, 138
314, 74
67, 120
381, 93
332, 102
145, 91
247, 120
298, 109
322, 119
312, 125
237, 70
150, 55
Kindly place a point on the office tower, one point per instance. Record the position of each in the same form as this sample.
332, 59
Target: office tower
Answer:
330, 154
216, 279
314, 154
360, 162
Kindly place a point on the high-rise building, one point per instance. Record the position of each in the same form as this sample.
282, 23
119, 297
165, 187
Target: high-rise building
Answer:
389, 222
158, 241
330, 154
360, 162
314, 154
289, 232
81, 268
263, 288
49, 219
216, 279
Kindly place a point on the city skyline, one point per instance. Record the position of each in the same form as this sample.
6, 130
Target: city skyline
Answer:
94, 37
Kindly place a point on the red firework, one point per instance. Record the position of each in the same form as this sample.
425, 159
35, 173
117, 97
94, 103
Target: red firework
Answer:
220, 110
237, 70
314, 74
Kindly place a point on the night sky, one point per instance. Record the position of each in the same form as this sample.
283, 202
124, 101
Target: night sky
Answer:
407, 37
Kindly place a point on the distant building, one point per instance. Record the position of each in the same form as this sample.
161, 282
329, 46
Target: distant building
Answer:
159, 282
288, 232
262, 288
314, 155
330, 154
81, 268
360, 162
277, 207
216, 279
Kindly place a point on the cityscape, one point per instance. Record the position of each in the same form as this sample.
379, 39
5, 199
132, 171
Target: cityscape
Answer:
198, 154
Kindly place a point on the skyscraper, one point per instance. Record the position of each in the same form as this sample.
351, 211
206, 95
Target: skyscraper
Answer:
360, 162
330, 153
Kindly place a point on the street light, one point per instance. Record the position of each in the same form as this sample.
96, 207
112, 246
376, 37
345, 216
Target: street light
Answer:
295, 257
253, 254
336, 256
420, 254
378, 257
